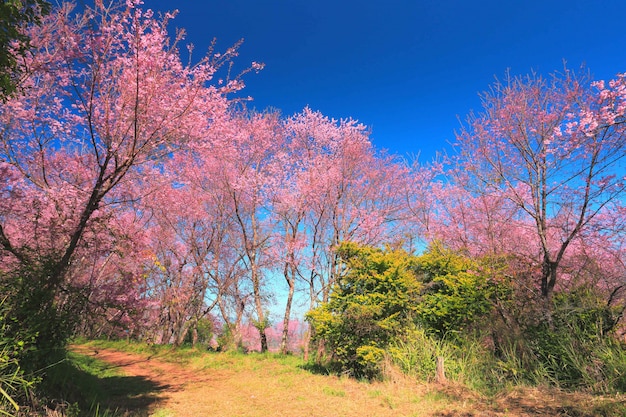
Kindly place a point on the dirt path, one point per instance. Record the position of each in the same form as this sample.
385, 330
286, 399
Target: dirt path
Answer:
167, 376
235, 386
170, 382
262, 389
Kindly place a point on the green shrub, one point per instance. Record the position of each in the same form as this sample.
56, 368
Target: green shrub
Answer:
456, 292
384, 294
442, 304
201, 332
13, 385
577, 349
372, 303
38, 317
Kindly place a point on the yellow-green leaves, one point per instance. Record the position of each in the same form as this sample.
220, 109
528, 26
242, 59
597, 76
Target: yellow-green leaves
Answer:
369, 305
385, 292
457, 291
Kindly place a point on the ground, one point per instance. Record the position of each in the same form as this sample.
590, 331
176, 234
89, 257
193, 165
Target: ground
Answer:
229, 385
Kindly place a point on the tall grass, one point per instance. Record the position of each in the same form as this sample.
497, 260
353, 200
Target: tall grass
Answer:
567, 358
13, 385
579, 358
416, 355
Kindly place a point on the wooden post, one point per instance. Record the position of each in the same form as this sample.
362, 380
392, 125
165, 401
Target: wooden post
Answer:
440, 370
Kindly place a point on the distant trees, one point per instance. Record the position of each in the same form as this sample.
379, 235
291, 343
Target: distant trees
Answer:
265, 198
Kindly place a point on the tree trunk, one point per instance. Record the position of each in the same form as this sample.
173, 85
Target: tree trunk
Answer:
307, 335
548, 277
233, 327
262, 320
285, 336
194, 336
548, 281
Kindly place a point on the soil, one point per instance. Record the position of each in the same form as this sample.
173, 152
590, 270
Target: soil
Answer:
181, 391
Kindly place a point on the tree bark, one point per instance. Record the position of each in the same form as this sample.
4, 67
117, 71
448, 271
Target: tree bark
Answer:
285, 336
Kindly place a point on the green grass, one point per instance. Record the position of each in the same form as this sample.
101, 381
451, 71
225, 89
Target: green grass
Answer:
199, 358
163, 412
183, 354
333, 392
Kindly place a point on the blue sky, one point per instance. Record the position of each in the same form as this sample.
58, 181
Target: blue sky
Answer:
408, 69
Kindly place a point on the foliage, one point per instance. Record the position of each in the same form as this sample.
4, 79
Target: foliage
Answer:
370, 304
36, 320
384, 294
577, 351
202, 332
15, 15
456, 292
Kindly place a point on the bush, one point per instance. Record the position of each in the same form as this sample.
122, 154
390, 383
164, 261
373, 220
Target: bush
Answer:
415, 309
456, 293
38, 317
384, 294
372, 303
575, 348
201, 332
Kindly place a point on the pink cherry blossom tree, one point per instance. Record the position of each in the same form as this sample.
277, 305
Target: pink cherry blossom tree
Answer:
540, 172
249, 183
341, 189
106, 96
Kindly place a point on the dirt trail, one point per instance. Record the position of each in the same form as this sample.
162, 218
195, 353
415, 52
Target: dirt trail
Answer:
267, 388
172, 382
167, 376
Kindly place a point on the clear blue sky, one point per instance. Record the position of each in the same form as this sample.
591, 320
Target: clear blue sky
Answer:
408, 69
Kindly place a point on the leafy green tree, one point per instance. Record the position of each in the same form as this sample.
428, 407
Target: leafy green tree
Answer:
15, 15
370, 304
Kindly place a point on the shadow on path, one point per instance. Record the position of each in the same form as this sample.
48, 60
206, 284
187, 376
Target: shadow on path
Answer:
135, 395
79, 382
